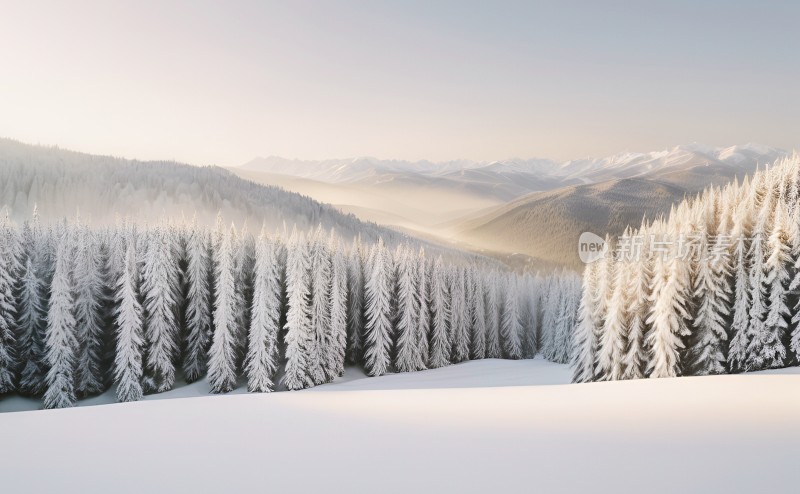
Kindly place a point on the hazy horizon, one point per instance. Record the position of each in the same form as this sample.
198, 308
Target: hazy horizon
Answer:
210, 83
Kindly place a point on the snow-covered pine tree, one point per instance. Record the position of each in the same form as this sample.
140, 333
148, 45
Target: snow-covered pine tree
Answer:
510, 325
88, 303
128, 371
9, 271
198, 303
613, 337
60, 342
355, 301
338, 341
407, 358
320, 308
422, 332
159, 277
459, 316
378, 331
222, 355
711, 290
299, 332
31, 322
585, 335
493, 349
261, 363
478, 340
758, 334
440, 332
530, 311
667, 318
794, 341
243, 246
778, 260
639, 276
739, 340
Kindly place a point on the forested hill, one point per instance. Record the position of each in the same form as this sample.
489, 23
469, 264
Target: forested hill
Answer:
102, 188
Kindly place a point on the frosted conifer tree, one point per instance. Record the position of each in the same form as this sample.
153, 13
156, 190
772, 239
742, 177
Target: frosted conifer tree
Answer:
31, 322
159, 278
711, 290
758, 334
407, 358
320, 307
737, 354
459, 316
613, 342
478, 339
299, 332
88, 286
222, 355
422, 349
61, 343
511, 327
9, 268
198, 304
585, 336
262, 354
338, 311
778, 258
667, 319
493, 349
128, 369
378, 331
639, 275
440, 332
355, 300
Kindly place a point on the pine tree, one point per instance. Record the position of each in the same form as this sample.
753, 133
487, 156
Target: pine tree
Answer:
778, 258
128, 371
159, 278
61, 343
299, 332
459, 316
262, 354
478, 317
320, 309
639, 277
88, 304
355, 300
31, 312
737, 353
222, 355
613, 340
378, 331
338, 311
198, 304
440, 332
711, 289
758, 334
421, 335
493, 317
9, 269
510, 326
407, 358
585, 336
667, 319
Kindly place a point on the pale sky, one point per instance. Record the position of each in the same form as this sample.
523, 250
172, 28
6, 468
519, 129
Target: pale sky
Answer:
222, 82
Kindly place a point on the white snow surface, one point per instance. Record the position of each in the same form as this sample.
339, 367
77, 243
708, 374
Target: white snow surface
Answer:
482, 426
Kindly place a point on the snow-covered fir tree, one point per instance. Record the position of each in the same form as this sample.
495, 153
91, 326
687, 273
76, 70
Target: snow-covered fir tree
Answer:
222, 355
407, 358
60, 342
198, 304
459, 320
159, 279
585, 335
299, 331
440, 331
355, 300
478, 339
320, 308
493, 349
261, 363
510, 326
338, 319
378, 330
423, 320
128, 369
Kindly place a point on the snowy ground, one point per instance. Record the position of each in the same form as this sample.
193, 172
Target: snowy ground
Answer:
484, 426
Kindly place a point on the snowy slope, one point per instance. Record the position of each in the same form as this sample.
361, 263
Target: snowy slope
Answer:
713, 434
